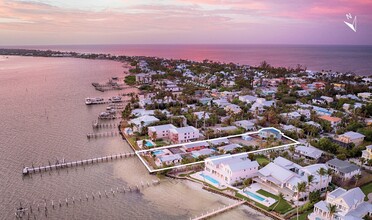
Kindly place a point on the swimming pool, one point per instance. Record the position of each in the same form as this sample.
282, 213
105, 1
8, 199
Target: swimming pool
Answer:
253, 195
210, 179
157, 152
149, 144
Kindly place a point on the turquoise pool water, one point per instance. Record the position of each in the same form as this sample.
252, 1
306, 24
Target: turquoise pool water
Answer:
210, 179
157, 152
149, 144
253, 195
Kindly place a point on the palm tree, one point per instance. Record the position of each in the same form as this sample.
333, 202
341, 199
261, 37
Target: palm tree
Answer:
329, 174
362, 161
280, 198
300, 188
310, 180
332, 209
357, 178
321, 172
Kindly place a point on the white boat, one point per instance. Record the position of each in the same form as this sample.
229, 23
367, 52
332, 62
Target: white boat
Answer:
91, 101
116, 99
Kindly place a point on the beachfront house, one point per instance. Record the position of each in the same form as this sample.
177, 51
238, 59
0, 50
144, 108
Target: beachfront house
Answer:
230, 169
247, 125
343, 168
367, 153
349, 204
160, 131
183, 135
284, 175
351, 137
143, 121
168, 160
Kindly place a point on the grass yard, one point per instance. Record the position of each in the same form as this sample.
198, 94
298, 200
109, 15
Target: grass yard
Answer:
262, 160
283, 205
367, 189
303, 216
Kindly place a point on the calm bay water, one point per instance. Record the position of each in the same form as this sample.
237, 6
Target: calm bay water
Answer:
340, 58
44, 118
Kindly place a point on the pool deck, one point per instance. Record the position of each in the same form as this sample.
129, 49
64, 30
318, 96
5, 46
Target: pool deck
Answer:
200, 178
253, 189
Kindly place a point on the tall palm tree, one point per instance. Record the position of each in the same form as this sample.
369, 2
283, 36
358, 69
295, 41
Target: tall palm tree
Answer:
310, 181
300, 188
329, 172
321, 172
332, 209
280, 198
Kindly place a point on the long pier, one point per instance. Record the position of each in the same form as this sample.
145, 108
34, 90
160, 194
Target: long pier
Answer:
104, 134
29, 170
97, 125
215, 212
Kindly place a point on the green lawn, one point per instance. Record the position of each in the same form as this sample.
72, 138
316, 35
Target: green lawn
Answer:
367, 189
283, 205
262, 160
303, 216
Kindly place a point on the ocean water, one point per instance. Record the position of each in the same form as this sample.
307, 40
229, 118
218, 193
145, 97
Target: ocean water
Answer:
341, 58
43, 118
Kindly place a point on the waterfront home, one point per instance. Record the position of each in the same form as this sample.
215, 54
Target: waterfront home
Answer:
168, 160
143, 121
143, 78
284, 175
232, 108
160, 131
270, 132
183, 135
247, 125
231, 169
201, 115
195, 146
350, 206
351, 137
203, 152
343, 168
248, 99
367, 153
229, 147
334, 121
308, 152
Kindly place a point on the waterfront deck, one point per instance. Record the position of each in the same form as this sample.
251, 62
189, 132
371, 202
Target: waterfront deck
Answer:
223, 209
29, 170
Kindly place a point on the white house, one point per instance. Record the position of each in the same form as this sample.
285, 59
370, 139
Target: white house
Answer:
364, 95
286, 174
172, 159
248, 99
350, 205
308, 152
232, 108
351, 137
160, 131
183, 135
220, 102
343, 168
259, 106
142, 121
201, 115
231, 169
247, 125
291, 115
305, 112
327, 98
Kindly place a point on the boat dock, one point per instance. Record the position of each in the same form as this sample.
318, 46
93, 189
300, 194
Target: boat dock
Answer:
33, 169
215, 212
97, 125
104, 134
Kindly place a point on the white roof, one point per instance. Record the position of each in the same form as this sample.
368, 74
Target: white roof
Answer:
277, 172
353, 135
309, 151
146, 118
184, 129
161, 127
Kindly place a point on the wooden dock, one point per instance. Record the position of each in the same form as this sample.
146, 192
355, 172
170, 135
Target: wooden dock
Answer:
223, 209
103, 134
97, 125
64, 164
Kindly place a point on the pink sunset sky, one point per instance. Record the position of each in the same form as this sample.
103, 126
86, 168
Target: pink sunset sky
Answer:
47, 22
